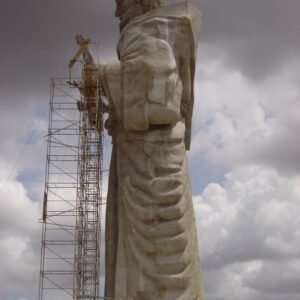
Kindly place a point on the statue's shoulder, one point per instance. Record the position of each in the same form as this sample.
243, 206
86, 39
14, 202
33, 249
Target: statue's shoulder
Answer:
185, 9
185, 13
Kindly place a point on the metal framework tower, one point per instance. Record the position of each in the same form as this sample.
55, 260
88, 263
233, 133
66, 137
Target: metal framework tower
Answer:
60, 196
89, 195
71, 234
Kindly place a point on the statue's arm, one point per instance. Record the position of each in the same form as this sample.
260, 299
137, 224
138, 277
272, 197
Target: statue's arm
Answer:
144, 86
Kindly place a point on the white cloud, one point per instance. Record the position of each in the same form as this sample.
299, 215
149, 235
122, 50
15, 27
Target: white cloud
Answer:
248, 230
19, 240
249, 224
237, 122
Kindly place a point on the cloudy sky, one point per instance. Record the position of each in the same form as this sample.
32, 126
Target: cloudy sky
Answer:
245, 156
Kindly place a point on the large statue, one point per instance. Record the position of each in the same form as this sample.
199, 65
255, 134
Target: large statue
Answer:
151, 240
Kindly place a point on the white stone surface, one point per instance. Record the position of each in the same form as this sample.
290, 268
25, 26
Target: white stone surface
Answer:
151, 241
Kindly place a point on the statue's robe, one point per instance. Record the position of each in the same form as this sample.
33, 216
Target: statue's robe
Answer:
151, 240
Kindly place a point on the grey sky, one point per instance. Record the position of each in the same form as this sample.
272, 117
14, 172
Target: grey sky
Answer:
256, 37
245, 152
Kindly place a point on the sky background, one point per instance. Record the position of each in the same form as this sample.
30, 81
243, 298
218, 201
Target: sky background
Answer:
245, 155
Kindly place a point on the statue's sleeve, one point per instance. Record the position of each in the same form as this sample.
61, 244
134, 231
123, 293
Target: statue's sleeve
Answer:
144, 86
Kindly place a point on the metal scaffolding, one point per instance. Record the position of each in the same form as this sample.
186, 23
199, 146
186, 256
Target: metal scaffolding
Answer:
89, 195
71, 234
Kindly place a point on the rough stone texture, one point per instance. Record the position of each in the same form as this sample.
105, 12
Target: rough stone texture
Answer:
151, 240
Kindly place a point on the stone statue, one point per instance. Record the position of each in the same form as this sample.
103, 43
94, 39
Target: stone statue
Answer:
151, 240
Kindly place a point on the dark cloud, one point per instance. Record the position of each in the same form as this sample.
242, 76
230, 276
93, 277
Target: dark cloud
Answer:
38, 41
282, 151
256, 37
276, 278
